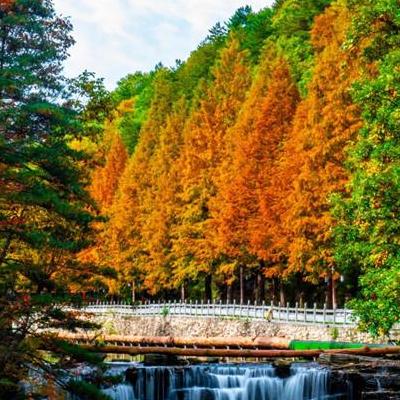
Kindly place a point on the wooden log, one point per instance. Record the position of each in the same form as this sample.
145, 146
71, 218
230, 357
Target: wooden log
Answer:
245, 353
242, 342
234, 353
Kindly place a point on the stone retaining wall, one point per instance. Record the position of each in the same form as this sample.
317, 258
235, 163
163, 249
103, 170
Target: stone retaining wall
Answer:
209, 327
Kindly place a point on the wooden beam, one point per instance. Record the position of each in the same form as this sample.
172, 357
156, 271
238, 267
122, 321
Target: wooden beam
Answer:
246, 353
217, 342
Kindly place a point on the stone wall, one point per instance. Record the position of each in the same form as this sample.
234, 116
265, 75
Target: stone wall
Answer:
225, 327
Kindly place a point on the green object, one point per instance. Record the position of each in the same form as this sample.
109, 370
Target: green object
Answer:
318, 345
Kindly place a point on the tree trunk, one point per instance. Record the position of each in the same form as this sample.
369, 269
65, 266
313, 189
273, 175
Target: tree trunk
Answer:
282, 297
261, 342
133, 292
328, 296
334, 300
260, 287
208, 288
183, 293
366, 351
273, 290
229, 293
241, 282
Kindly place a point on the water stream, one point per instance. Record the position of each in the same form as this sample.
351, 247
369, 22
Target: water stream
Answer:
224, 382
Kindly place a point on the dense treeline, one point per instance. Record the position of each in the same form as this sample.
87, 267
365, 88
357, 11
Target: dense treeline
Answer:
265, 166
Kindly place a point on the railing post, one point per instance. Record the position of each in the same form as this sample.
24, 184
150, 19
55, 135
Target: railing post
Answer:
305, 312
345, 319
279, 310
296, 311
287, 311
334, 314
315, 313
324, 314
248, 308
234, 308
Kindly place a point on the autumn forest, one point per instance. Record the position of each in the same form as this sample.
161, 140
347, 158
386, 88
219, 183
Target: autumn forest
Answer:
262, 168
265, 167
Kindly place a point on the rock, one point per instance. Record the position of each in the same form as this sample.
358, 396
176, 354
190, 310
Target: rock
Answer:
368, 380
163, 360
202, 360
282, 371
131, 375
344, 358
380, 395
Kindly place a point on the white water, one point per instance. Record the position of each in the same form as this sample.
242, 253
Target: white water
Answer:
225, 382
120, 392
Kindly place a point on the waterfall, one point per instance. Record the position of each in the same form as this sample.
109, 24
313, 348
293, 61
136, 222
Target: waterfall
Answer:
120, 392
226, 382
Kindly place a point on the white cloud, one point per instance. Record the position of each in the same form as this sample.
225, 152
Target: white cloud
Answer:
116, 37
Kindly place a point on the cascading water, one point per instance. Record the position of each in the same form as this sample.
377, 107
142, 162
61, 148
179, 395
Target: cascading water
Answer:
120, 392
226, 382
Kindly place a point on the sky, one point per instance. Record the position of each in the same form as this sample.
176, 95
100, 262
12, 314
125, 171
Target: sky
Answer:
117, 37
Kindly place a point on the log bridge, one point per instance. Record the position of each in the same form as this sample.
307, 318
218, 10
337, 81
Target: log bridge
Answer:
227, 347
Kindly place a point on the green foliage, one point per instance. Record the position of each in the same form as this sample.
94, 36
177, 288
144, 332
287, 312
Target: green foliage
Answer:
292, 23
139, 88
367, 236
378, 308
334, 333
197, 69
45, 217
253, 29
76, 352
93, 102
165, 311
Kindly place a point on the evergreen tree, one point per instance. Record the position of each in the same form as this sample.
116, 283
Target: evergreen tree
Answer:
203, 151
43, 209
122, 242
326, 124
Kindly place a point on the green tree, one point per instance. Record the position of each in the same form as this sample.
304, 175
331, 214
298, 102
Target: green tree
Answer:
367, 237
43, 209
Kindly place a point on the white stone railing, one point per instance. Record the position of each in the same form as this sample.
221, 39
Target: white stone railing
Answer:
271, 312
